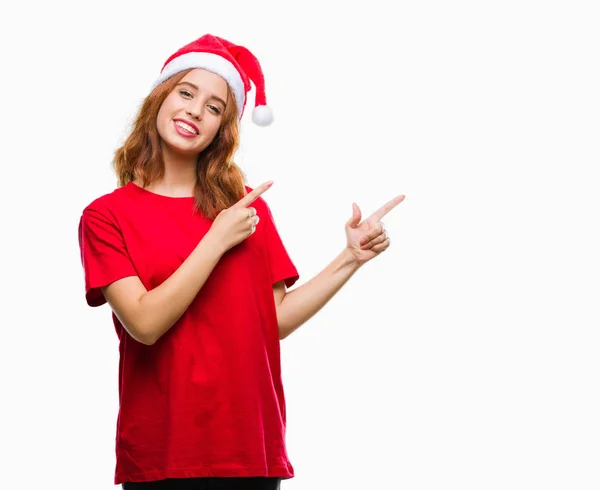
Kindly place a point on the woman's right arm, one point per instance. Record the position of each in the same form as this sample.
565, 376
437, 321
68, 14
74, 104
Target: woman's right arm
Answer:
147, 315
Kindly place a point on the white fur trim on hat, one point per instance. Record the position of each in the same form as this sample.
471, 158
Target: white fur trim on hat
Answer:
211, 62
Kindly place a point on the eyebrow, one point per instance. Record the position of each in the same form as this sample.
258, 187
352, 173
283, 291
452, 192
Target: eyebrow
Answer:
212, 96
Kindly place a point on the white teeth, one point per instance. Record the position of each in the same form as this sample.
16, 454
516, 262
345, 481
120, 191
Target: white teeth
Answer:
185, 126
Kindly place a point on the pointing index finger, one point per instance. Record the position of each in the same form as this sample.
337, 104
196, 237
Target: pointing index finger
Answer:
386, 208
253, 195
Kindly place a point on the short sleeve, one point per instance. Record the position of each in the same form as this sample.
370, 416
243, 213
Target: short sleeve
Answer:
280, 264
104, 255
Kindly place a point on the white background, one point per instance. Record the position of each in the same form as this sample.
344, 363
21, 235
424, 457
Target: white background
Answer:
466, 356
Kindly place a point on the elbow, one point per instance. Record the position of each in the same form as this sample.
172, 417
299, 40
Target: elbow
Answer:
148, 334
284, 330
148, 331
147, 340
148, 327
281, 327
142, 336
285, 325
141, 332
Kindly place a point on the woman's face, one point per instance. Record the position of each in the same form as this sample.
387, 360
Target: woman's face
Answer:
191, 115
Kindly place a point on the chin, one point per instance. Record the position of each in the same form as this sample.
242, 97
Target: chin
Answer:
181, 145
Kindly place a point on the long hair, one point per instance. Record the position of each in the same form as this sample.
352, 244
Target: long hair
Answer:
219, 183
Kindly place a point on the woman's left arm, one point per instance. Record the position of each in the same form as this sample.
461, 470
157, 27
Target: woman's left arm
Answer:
366, 241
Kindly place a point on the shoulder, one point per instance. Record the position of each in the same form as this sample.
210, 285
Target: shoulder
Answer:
107, 208
109, 202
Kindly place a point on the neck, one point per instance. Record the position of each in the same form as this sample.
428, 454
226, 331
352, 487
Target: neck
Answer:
179, 179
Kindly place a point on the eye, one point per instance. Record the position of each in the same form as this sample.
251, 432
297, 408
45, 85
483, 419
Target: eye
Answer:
185, 93
215, 109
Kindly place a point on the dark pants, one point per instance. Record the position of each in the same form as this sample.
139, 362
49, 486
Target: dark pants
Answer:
209, 483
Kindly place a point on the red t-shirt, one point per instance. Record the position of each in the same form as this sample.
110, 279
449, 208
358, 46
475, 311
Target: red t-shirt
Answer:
207, 398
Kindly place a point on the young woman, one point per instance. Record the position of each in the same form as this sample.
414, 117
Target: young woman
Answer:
190, 261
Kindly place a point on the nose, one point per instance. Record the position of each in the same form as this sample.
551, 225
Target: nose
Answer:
195, 111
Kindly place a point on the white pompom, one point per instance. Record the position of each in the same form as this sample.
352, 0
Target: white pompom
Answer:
262, 115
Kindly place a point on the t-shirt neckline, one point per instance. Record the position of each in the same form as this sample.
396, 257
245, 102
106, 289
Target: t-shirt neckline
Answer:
140, 190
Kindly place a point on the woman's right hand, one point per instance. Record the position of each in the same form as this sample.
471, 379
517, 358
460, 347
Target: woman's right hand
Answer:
235, 224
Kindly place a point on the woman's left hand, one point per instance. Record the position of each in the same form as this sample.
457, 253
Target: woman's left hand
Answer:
368, 239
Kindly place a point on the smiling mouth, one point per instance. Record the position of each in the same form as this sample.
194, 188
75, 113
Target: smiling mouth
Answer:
186, 128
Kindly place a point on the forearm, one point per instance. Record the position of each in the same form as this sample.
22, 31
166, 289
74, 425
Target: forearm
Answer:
300, 304
165, 304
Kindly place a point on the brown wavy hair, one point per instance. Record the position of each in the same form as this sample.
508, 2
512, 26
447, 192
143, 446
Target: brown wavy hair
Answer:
220, 182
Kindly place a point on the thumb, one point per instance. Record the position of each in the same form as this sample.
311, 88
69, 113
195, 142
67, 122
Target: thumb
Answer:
356, 215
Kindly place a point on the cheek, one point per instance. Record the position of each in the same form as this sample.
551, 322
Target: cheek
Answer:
161, 124
168, 107
164, 116
161, 117
216, 125
212, 128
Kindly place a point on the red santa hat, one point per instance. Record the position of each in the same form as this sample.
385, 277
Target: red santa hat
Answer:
236, 64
